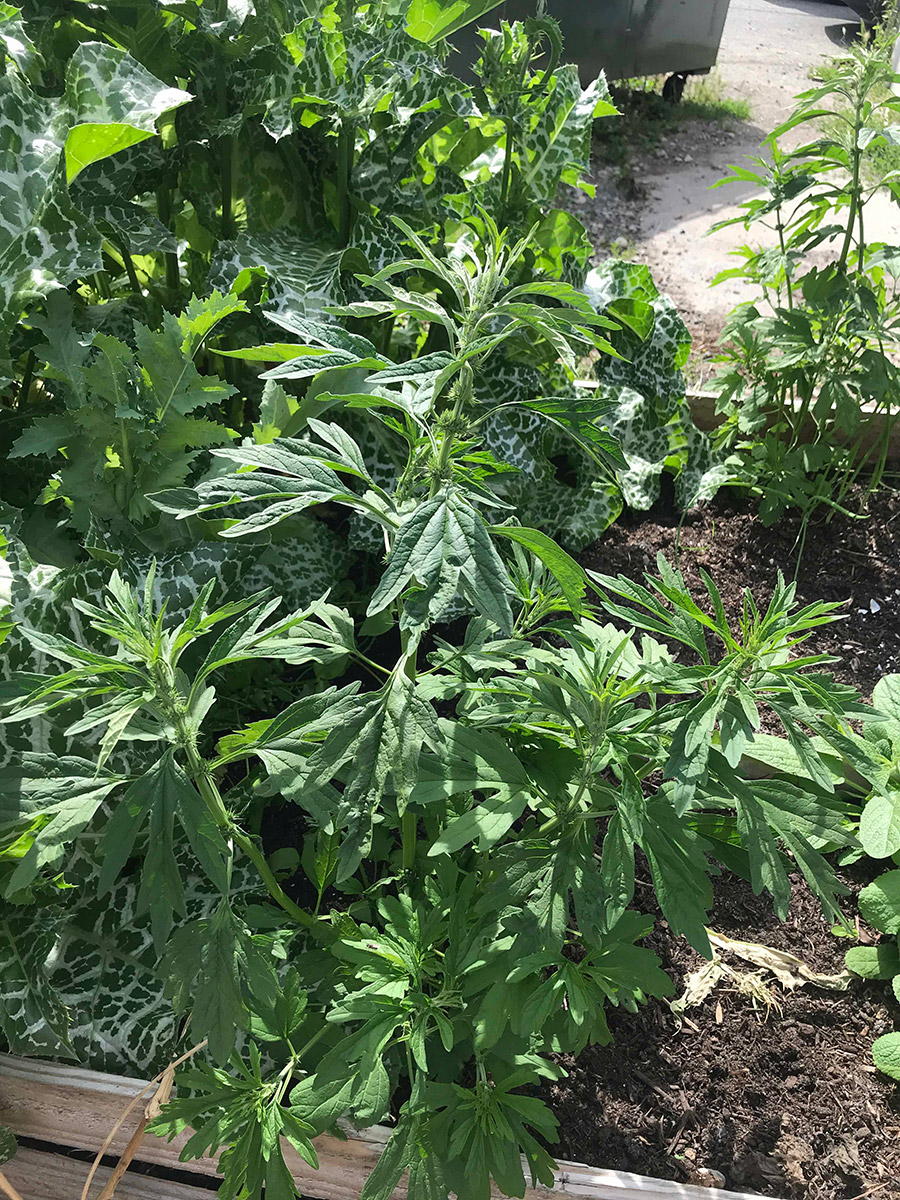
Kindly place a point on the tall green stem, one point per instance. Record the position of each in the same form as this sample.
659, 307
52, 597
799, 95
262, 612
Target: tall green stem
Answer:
346, 145
164, 211
779, 225
462, 396
226, 165
208, 789
854, 185
27, 377
507, 172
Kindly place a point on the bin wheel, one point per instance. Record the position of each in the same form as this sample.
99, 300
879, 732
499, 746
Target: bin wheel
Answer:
673, 88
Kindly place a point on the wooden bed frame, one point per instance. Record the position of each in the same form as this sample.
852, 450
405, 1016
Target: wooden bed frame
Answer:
69, 1109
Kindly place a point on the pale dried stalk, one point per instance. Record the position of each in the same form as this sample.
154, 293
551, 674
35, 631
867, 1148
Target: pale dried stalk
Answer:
153, 1109
8, 1189
163, 1082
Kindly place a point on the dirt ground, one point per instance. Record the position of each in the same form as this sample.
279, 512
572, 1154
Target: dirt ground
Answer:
853, 562
767, 52
783, 1102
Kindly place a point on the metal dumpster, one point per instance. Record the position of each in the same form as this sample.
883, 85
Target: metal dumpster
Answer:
625, 38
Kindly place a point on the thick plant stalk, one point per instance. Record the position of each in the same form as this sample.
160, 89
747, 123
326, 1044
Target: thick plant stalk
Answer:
855, 187
27, 377
164, 211
226, 166
210, 793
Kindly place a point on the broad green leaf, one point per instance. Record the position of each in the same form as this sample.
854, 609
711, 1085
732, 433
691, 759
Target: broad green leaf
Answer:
115, 102
286, 745
211, 963
678, 864
879, 902
71, 802
579, 418
879, 825
886, 696
33, 1017
559, 149
431, 20
886, 1053
444, 549
15, 42
392, 1162
45, 242
303, 276
154, 801
474, 761
320, 1104
564, 569
383, 739
874, 962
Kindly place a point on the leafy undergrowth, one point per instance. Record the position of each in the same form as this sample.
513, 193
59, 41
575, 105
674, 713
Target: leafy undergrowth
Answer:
305, 373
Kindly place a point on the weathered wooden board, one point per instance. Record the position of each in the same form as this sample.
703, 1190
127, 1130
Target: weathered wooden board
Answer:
71, 1107
68, 1106
703, 410
41, 1176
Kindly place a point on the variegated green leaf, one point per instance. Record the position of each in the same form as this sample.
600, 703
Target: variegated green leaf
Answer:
303, 276
115, 103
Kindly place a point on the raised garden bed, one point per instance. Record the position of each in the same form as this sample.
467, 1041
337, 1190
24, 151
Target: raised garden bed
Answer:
783, 1102
69, 1109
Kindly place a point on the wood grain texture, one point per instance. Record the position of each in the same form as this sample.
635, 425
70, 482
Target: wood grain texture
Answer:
41, 1176
68, 1106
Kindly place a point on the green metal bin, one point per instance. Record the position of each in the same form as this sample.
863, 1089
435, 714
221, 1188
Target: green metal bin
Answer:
625, 38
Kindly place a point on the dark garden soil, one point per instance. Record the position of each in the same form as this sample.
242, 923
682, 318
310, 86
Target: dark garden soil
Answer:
781, 1104
856, 562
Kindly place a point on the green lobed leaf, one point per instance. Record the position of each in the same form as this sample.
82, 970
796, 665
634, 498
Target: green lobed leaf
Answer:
444, 549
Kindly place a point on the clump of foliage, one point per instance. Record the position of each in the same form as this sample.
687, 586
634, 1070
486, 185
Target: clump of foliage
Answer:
292, 137
879, 905
864, 762
810, 372
468, 810
369, 835
648, 116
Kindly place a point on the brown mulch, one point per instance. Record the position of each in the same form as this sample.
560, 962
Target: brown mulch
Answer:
780, 1104
856, 562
